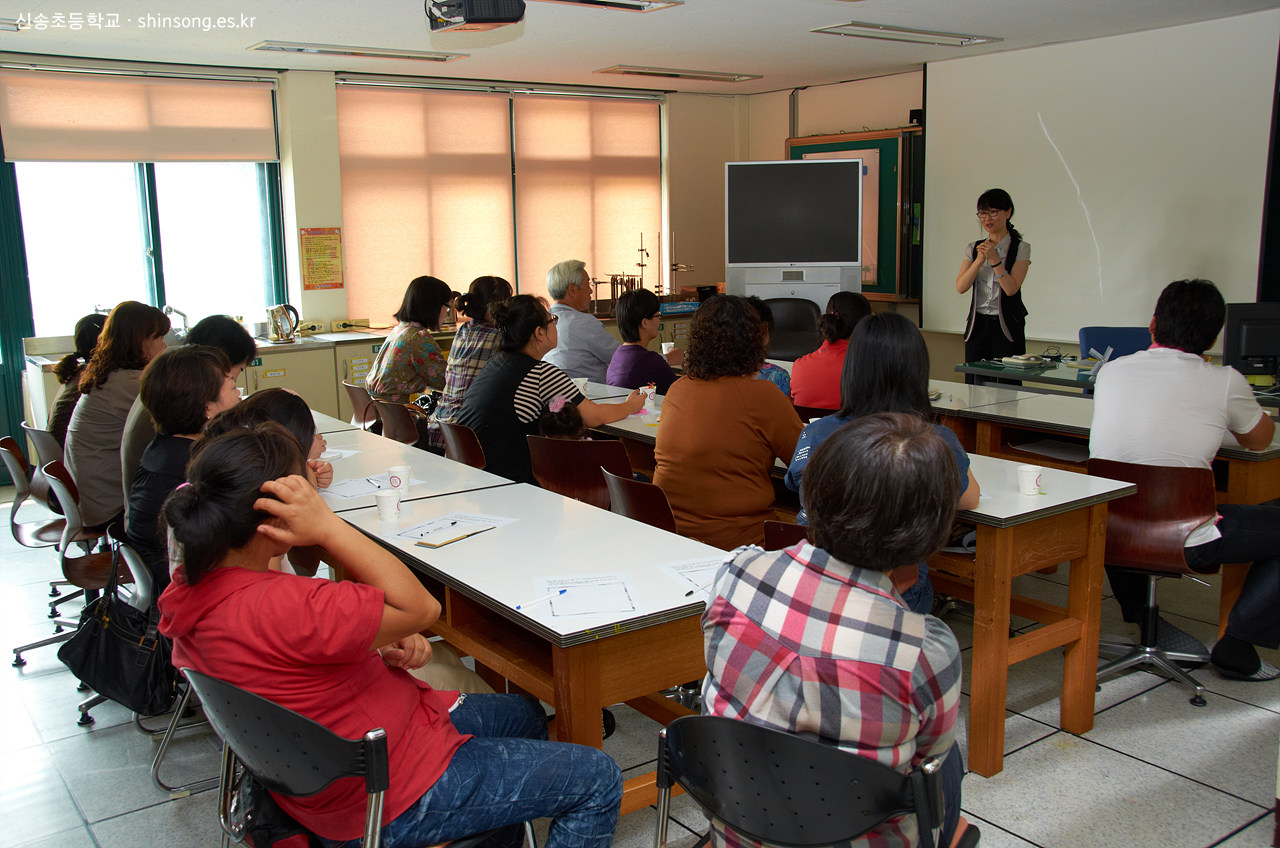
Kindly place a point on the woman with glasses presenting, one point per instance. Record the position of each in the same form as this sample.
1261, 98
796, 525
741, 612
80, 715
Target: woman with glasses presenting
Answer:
994, 269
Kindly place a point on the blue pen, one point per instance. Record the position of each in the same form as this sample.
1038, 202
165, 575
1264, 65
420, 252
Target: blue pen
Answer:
541, 600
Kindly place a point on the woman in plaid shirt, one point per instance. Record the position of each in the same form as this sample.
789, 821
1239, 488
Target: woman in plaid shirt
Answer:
815, 640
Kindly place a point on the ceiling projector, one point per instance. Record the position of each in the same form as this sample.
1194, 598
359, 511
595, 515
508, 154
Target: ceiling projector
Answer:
473, 15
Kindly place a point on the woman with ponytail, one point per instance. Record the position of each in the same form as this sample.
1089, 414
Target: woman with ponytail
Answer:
338, 653
815, 377
993, 270
473, 345
68, 372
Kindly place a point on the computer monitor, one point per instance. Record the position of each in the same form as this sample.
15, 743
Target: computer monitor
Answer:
1251, 343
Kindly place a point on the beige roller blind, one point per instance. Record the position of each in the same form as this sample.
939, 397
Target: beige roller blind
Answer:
68, 117
426, 189
588, 183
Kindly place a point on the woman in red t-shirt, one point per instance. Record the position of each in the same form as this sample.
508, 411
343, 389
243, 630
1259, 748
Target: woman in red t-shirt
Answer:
815, 377
337, 653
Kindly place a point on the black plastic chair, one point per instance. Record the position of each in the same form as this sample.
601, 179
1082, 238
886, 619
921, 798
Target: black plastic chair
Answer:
786, 790
290, 754
795, 327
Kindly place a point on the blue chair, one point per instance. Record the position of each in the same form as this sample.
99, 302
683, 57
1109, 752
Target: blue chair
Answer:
1122, 340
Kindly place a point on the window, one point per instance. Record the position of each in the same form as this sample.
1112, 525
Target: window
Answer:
459, 184
86, 231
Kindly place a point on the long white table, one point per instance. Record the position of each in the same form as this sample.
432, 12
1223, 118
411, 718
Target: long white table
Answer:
578, 664
371, 455
326, 424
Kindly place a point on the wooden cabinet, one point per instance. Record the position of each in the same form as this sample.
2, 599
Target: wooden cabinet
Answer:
305, 368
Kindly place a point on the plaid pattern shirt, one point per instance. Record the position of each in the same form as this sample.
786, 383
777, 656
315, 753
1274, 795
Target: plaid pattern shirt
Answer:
472, 346
798, 641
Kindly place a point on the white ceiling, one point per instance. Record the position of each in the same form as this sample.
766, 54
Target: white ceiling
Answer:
564, 44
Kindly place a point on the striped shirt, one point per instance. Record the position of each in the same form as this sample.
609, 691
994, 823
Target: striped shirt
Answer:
798, 641
472, 347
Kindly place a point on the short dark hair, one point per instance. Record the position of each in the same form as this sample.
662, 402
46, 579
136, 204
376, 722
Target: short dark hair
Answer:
881, 491
422, 302
726, 339
633, 307
279, 405
483, 292
844, 310
886, 368
226, 334
517, 319
1189, 316
215, 513
564, 423
178, 385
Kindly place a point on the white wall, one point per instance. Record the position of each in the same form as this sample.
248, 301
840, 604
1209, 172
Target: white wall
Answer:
1132, 160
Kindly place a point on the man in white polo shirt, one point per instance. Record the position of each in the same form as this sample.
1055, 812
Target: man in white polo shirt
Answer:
1168, 406
585, 346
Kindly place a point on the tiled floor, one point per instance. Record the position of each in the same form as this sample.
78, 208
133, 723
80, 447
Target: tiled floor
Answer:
1153, 771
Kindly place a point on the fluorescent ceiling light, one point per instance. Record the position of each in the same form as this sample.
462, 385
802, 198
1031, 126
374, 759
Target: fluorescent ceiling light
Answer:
12, 25
677, 73
359, 52
625, 5
857, 29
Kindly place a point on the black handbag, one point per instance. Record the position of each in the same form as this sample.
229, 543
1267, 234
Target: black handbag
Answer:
257, 820
118, 651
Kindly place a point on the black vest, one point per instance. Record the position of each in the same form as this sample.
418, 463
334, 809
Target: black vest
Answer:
489, 409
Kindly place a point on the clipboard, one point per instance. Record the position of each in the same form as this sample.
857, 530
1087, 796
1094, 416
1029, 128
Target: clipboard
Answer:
441, 538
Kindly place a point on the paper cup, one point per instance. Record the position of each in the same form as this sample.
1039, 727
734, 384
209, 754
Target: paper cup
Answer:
667, 347
1029, 479
388, 504
398, 475
580, 383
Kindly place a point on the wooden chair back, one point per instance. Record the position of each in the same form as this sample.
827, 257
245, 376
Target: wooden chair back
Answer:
47, 450
90, 569
40, 533
572, 468
364, 412
397, 422
639, 501
461, 444
1148, 530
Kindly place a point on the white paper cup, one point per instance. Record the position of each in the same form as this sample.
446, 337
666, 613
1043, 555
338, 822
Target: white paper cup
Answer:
580, 383
667, 347
388, 504
1029, 479
399, 477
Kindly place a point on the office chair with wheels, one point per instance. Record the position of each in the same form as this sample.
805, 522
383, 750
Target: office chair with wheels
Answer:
640, 501
87, 569
1146, 534
47, 450
461, 444
39, 533
795, 327
573, 468
783, 789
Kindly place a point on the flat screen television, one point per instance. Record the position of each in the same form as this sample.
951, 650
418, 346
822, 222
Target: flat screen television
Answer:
1251, 341
797, 212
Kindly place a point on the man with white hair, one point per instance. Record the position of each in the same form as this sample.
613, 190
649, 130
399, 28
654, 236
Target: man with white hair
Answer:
585, 346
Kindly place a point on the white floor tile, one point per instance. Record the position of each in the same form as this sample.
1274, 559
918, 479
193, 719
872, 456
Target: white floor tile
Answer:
184, 823
35, 799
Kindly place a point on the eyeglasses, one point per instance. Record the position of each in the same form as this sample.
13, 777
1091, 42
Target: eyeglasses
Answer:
989, 213
551, 319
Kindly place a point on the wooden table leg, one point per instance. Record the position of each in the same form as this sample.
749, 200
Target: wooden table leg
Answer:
1084, 603
576, 673
989, 678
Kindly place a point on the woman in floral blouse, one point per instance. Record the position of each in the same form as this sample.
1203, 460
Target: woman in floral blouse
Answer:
409, 361
476, 341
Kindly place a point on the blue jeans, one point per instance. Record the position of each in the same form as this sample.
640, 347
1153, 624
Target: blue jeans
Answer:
1249, 534
508, 774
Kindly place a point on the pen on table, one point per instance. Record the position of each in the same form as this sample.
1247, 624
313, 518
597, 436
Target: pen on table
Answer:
542, 600
706, 585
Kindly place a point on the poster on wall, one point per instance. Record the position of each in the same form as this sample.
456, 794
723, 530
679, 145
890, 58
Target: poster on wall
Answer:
321, 258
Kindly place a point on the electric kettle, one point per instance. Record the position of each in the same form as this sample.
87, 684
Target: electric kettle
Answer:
283, 320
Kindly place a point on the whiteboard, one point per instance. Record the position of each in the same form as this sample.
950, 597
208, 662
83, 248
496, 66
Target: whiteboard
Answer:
1132, 161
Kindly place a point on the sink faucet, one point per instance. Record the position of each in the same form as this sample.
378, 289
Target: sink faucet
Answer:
169, 310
